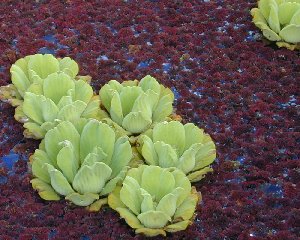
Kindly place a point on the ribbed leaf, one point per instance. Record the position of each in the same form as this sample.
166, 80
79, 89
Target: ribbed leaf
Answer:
264, 7
128, 96
111, 184
45, 190
149, 82
130, 218
96, 134
206, 155
57, 85
187, 161
116, 111
154, 219
43, 65
72, 112
148, 151
163, 109
135, 122
19, 79
32, 107
147, 202
181, 182
167, 204
167, 156
273, 19
121, 156
58, 181
130, 195
67, 161
38, 167
186, 210
69, 66
170, 133
63, 131
152, 179
82, 199
83, 91
107, 91
193, 134
91, 179
286, 11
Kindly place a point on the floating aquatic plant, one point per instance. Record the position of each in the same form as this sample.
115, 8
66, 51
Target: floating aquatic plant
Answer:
81, 163
31, 69
279, 21
155, 200
136, 106
55, 98
172, 144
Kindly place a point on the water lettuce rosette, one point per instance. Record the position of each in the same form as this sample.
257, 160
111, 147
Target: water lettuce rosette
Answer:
29, 69
135, 106
279, 21
56, 98
81, 164
172, 144
155, 200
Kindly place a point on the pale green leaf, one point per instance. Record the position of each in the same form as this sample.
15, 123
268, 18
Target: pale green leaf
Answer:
83, 91
91, 179
130, 195
147, 201
154, 219
167, 156
171, 133
45, 190
63, 131
148, 151
96, 134
116, 111
58, 181
85, 199
38, 167
121, 156
187, 161
43, 65
128, 96
273, 19
57, 85
167, 204
152, 179
135, 122
67, 161
68, 66
286, 11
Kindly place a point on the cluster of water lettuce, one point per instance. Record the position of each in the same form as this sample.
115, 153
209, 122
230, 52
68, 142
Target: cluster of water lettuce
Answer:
279, 21
90, 144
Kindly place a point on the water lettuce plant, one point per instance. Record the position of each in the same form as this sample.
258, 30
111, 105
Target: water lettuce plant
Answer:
172, 144
136, 106
57, 97
155, 200
32, 68
81, 164
279, 21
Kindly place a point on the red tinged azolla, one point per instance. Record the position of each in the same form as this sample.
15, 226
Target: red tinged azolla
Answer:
248, 104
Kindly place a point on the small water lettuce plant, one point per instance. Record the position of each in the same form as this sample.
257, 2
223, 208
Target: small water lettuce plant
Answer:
135, 106
172, 144
32, 68
279, 21
155, 200
82, 163
56, 98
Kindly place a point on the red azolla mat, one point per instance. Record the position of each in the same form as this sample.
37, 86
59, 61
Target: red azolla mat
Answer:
226, 79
